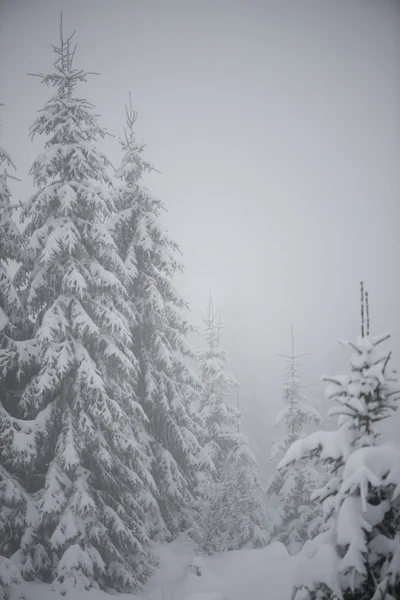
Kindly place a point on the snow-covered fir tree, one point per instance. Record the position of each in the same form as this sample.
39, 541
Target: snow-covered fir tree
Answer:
232, 512
82, 436
16, 357
294, 519
167, 387
357, 554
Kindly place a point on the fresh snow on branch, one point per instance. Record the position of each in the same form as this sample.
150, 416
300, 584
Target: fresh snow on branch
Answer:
357, 554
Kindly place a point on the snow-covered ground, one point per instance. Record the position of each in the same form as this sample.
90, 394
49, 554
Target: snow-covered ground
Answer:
263, 574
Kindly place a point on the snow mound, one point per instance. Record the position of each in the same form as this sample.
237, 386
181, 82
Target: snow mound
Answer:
276, 550
232, 575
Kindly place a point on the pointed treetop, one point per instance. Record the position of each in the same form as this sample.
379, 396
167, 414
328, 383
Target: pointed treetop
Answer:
64, 52
214, 324
295, 354
65, 77
365, 328
129, 132
131, 115
292, 337
362, 308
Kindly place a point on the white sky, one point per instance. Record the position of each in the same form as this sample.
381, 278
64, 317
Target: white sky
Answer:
276, 127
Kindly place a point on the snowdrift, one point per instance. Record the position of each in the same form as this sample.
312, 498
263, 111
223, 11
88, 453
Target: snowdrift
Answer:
263, 574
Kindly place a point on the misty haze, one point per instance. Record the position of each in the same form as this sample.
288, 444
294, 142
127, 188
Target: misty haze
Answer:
199, 299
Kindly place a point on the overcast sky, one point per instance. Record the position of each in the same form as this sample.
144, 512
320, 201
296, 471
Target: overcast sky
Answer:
276, 127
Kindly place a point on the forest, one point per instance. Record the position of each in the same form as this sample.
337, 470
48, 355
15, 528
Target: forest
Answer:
119, 440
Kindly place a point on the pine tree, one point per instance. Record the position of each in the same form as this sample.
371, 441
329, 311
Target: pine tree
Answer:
87, 443
294, 519
17, 354
166, 387
232, 512
357, 555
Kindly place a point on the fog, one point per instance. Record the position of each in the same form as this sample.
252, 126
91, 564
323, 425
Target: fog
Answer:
275, 126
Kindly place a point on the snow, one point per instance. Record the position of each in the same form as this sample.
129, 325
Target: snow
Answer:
260, 574
205, 597
375, 464
231, 575
325, 563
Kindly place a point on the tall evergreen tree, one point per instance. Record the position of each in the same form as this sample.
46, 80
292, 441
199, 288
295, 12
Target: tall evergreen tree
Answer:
166, 387
87, 444
16, 359
294, 519
357, 555
232, 513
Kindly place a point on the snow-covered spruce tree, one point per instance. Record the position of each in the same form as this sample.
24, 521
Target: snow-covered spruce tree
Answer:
232, 512
15, 360
357, 555
87, 441
166, 386
294, 519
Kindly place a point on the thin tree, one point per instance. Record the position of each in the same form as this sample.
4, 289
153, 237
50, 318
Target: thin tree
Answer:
222, 420
294, 519
232, 512
166, 386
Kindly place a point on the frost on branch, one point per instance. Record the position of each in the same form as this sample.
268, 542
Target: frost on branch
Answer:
358, 553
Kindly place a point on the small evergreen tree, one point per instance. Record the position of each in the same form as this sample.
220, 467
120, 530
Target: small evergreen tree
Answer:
221, 419
294, 519
10, 580
86, 443
166, 387
357, 555
232, 512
